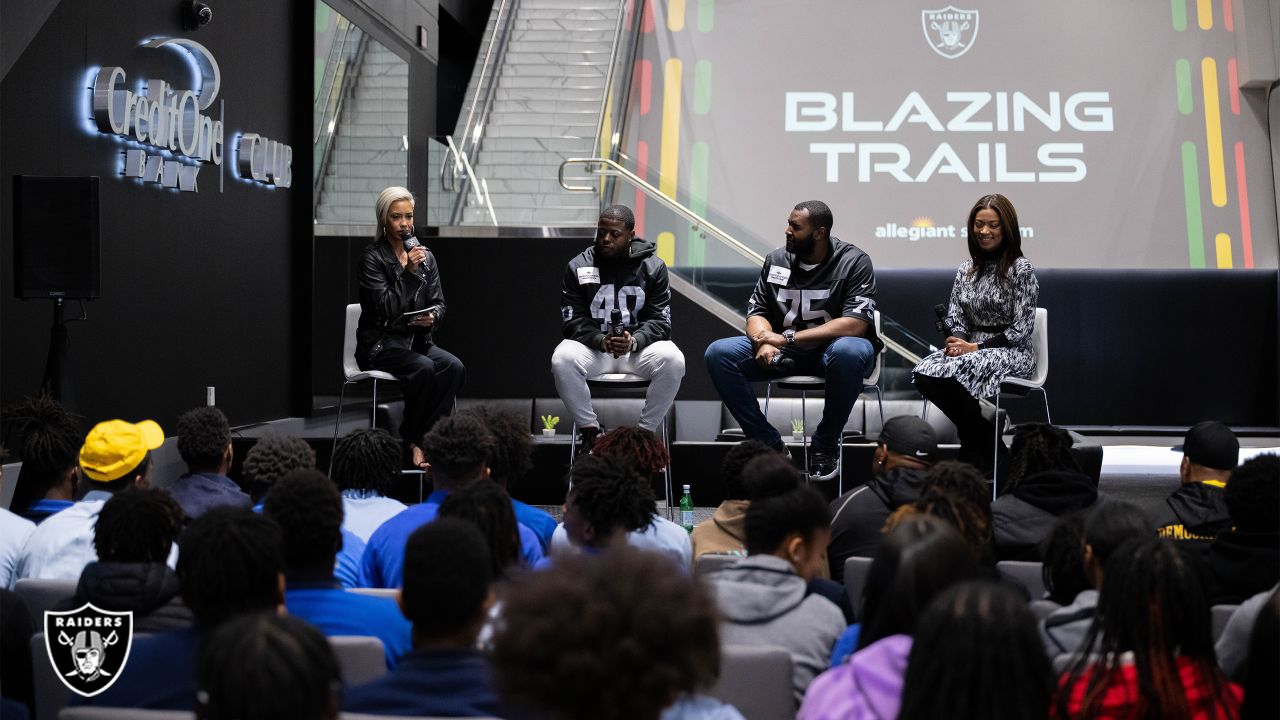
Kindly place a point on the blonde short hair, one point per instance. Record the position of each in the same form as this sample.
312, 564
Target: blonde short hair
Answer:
387, 198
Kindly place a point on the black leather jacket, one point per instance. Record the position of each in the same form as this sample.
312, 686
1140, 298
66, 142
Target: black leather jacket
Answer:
387, 291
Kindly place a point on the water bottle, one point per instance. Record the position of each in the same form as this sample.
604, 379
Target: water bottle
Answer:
686, 510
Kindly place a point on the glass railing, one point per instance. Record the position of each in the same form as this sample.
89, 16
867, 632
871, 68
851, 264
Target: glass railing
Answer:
456, 195
717, 264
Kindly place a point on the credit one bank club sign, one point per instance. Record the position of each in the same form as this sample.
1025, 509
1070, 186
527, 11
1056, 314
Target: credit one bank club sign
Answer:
176, 135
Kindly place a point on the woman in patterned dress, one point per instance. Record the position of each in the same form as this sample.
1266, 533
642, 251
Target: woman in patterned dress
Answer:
990, 317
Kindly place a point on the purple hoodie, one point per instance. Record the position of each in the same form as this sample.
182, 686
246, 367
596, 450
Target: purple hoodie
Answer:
868, 686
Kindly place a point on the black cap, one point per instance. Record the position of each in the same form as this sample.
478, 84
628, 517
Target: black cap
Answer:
909, 435
1211, 444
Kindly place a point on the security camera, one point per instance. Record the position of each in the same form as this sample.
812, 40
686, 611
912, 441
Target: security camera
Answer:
195, 14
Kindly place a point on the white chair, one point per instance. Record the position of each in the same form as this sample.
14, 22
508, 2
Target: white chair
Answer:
351, 373
389, 593
361, 658
41, 595
1219, 616
622, 382
1029, 575
817, 383
856, 570
1023, 386
757, 681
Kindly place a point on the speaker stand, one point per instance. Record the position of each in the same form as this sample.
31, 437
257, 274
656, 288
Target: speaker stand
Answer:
57, 371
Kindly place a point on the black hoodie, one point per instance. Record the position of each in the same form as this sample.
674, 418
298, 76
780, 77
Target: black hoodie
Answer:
150, 590
637, 285
1195, 512
1024, 517
859, 515
1242, 564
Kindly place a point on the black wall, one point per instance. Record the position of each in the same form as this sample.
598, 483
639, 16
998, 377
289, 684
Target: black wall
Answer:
199, 288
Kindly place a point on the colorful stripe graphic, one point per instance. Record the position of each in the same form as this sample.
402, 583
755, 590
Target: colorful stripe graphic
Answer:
644, 71
1191, 194
1242, 191
702, 87
646, 17
1182, 72
675, 15
698, 171
669, 163
1227, 21
642, 169
1204, 14
1179, 15
1233, 87
667, 248
1223, 244
1213, 133
706, 15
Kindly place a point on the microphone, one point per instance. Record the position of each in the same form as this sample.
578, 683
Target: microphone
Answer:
785, 364
411, 242
616, 328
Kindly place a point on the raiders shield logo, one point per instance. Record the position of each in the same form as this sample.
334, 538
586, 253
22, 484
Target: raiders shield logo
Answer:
950, 31
88, 647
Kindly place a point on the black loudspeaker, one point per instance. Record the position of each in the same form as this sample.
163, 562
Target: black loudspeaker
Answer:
55, 237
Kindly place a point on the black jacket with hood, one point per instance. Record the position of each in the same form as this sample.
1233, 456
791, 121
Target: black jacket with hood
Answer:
1023, 518
1195, 512
637, 285
387, 291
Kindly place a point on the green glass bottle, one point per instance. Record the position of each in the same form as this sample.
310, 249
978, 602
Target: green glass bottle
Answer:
686, 510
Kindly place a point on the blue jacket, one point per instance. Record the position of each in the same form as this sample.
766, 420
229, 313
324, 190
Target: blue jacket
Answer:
383, 562
338, 612
436, 683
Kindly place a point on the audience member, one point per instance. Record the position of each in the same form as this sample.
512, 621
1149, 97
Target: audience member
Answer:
307, 507
917, 561
204, 442
609, 500
1149, 652
134, 537
903, 454
1106, 528
977, 656
1044, 484
488, 507
1245, 560
115, 456
1197, 510
606, 638
764, 598
511, 461
1232, 646
446, 595
1063, 569
458, 449
231, 565
48, 440
14, 531
271, 458
266, 666
365, 465
1261, 693
724, 533
17, 692
956, 493
647, 453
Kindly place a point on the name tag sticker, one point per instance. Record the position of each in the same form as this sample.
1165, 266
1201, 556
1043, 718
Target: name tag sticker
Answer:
779, 275
588, 276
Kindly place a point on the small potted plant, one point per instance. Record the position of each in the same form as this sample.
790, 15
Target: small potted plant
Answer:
549, 423
797, 431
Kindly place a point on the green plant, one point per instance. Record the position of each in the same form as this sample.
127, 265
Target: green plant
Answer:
797, 426
550, 421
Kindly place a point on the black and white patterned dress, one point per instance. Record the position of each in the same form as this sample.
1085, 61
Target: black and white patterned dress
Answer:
979, 307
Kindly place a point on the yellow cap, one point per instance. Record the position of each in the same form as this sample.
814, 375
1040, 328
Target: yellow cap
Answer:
114, 447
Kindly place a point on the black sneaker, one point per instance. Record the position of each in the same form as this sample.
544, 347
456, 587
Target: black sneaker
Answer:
782, 449
823, 464
586, 439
